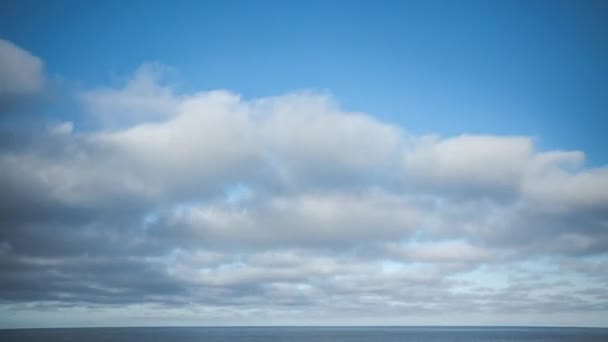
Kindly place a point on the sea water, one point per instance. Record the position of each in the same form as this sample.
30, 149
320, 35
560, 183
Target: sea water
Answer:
305, 334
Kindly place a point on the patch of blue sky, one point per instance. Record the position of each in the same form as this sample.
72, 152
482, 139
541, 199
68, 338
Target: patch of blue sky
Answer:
238, 193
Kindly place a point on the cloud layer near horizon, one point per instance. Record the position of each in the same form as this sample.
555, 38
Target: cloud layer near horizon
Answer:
221, 210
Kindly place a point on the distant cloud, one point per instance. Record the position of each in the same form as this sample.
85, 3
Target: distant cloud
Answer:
288, 206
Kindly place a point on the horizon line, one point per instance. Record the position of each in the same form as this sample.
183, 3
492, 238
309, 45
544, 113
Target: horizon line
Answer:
446, 326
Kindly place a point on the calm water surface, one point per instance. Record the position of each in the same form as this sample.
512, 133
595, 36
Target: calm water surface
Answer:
308, 334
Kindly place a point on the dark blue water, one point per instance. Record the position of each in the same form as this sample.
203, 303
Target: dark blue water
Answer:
308, 334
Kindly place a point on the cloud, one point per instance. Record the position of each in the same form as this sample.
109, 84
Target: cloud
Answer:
313, 141
441, 251
145, 96
558, 181
469, 165
21, 73
313, 220
288, 206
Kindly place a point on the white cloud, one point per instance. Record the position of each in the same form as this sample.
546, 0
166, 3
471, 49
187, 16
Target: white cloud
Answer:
207, 142
142, 98
346, 220
557, 181
313, 140
477, 165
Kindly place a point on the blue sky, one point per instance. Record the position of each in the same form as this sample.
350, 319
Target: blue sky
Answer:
313, 162
511, 67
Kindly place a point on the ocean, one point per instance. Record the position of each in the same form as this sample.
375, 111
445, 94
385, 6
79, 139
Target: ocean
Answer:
305, 334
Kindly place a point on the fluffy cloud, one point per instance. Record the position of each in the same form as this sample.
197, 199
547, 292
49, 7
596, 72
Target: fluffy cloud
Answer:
288, 206
312, 142
558, 181
469, 165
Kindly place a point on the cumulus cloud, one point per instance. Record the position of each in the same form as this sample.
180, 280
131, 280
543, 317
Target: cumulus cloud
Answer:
469, 164
312, 141
288, 206
558, 181
21, 73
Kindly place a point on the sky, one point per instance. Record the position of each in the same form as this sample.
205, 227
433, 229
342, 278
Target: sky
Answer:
303, 163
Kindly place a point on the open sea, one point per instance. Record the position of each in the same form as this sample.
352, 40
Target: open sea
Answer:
305, 334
